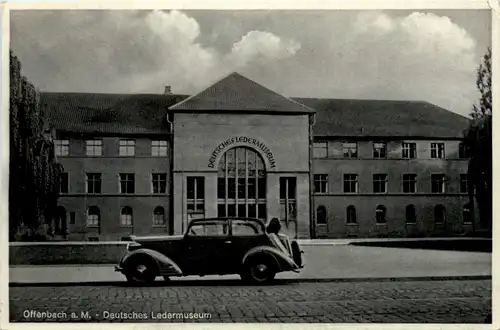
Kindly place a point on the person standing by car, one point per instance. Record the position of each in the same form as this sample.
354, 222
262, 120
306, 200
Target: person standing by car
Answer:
282, 241
274, 226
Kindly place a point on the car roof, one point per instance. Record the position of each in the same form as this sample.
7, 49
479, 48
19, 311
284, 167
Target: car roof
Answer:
260, 222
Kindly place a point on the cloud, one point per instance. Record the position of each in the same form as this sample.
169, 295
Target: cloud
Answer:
261, 47
336, 54
127, 51
419, 56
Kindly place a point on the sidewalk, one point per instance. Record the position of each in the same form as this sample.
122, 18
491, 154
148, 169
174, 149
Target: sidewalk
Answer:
322, 261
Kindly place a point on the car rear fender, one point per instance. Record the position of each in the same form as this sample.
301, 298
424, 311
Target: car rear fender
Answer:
282, 259
161, 259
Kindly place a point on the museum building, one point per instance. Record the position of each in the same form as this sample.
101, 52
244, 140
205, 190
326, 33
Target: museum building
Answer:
146, 164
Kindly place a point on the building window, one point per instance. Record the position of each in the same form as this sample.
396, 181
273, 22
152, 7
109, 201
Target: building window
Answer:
380, 214
350, 183
320, 183
159, 216
127, 147
409, 183
439, 214
159, 148
127, 183
321, 215
463, 151
72, 218
241, 184
64, 183
350, 149
94, 147
62, 147
288, 201
411, 216
380, 183
94, 183
437, 150
467, 214
463, 184
320, 150
126, 216
159, 181
379, 150
409, 150
437, 183
195, 197
93, 216
351, 215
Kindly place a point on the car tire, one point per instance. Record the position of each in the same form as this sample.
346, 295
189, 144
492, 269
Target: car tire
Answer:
258, 270
141, 271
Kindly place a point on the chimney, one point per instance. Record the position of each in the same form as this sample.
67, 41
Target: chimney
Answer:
168, 90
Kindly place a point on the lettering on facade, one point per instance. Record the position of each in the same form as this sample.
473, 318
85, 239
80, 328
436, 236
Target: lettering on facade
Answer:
237, 139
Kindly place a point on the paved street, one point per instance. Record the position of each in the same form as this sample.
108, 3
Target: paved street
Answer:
230, 301
321, 261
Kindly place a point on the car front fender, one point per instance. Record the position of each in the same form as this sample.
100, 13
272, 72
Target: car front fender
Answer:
160, 258
285, 261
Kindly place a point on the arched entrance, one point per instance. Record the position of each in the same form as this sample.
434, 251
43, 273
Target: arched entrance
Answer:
241, 184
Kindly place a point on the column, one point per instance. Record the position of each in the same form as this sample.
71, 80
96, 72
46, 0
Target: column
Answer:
178, 204
303, 207
273, 196
211, 195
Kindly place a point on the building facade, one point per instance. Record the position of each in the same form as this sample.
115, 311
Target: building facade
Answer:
148, 164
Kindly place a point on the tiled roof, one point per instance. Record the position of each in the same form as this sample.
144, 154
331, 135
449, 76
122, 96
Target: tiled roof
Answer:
108, 113
238, 93
146, 114
342, 117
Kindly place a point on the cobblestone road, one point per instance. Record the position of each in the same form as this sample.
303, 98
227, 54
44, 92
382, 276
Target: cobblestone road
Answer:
365, 302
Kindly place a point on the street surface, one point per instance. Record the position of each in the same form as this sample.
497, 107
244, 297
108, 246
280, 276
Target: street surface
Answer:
450, 301
321, 262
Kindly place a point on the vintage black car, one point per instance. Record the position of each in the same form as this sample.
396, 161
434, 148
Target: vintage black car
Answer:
216, 246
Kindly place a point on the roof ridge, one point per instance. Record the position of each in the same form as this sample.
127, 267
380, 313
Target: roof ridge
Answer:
202, 90
281, 95
235, 79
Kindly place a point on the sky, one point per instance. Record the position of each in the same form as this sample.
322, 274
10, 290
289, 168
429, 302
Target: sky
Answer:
395, 55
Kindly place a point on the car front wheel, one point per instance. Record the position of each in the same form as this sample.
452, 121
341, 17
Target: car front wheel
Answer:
141, 271
258, 271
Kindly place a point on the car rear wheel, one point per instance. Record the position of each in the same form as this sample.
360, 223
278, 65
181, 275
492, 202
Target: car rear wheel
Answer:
258, 271
141, 271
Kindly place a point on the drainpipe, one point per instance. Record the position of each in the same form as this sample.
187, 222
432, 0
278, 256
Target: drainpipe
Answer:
171, 176
312, 226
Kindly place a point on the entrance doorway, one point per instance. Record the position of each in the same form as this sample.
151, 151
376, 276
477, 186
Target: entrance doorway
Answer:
241, 184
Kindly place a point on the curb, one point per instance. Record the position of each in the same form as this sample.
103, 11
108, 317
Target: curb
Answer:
237, 282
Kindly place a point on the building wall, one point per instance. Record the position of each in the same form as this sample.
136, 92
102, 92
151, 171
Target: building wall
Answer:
396, 226
196, 136
365, 200
111, 201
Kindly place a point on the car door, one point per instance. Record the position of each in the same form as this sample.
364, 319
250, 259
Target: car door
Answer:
204, 246
245, 235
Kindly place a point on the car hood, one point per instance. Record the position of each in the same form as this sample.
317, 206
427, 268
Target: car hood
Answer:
157, 238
